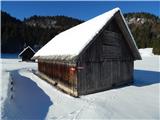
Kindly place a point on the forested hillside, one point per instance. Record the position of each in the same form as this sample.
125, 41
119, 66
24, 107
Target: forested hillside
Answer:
145, 28
36, 31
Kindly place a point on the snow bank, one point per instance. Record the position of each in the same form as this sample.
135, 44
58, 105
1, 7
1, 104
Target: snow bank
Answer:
146, 52
149, 62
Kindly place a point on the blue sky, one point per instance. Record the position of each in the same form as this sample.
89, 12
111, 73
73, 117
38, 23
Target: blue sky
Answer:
83, 10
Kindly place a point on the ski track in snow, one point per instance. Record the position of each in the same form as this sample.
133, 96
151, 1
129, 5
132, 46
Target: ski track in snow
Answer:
138, 101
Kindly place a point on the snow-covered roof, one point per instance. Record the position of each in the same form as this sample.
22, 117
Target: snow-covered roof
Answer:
25, 50
72, 41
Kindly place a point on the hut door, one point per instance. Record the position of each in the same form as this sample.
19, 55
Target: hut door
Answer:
92, 76
106, 75
115, 73
110, 73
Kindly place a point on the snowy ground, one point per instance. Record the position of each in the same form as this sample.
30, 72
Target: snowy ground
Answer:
149, 62
33, 98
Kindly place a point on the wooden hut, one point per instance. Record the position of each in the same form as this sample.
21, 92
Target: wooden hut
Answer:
94, 56
27, 54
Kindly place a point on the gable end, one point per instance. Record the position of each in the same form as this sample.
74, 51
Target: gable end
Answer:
123, 29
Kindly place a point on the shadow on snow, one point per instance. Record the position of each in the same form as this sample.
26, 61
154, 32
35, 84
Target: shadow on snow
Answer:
32, 102
144, 78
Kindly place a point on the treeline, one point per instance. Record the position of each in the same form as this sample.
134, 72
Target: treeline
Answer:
38, 30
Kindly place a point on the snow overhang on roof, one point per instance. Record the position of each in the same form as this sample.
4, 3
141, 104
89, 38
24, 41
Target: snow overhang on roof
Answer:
72, 41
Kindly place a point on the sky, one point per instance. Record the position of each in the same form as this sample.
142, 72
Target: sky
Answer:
82, 9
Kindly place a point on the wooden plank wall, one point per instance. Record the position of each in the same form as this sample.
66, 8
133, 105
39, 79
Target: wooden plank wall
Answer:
107, 63
104, 75
62, 73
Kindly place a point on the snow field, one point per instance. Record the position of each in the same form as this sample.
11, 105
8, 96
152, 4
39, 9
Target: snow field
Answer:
34, 98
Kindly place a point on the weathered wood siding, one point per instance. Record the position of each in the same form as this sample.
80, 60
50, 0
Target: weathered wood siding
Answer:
107, 63
63, 73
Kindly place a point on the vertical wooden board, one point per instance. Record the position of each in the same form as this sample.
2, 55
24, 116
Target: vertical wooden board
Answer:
88, 75
98, 49
83, 79
119, 71
96, 74
81, 76
108, 73
128, 75
131, 69
125, 71
114, 73
122, 71
93, 75
100, 83
79, 80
